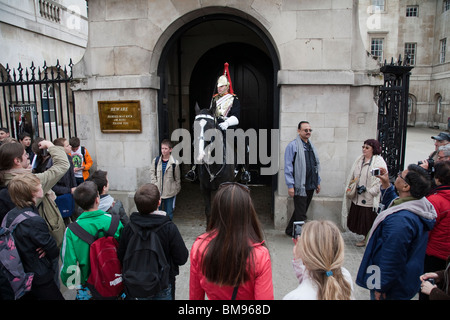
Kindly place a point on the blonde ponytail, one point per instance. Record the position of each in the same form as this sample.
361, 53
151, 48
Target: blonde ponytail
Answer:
321, 248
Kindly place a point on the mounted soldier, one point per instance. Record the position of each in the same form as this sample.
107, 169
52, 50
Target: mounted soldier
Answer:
227, 110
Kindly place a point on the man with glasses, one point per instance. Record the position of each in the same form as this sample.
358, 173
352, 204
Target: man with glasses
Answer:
440, 140
301, 172
443, 153
393, 260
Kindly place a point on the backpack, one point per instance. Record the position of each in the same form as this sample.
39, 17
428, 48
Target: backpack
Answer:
173, 167
105, 278
11, 266
145, 267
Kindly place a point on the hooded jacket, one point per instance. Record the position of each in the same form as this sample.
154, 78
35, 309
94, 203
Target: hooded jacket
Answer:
439, 238
393, 259
46, 205
29, 235
169, 236
75, 252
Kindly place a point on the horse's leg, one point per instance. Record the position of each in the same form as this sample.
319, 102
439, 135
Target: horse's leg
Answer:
206, 193
207, 198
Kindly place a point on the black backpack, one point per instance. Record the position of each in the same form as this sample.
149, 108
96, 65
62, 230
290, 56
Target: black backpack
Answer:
145, 269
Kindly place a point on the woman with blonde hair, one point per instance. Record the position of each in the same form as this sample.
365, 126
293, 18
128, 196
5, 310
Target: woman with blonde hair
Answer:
318, 264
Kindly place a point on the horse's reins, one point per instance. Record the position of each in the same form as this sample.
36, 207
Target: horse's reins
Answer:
201, 145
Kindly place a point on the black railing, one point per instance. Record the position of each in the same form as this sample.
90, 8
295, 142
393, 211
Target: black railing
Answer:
38, 101
393, 114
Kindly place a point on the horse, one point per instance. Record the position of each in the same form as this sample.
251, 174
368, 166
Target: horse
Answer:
211, 172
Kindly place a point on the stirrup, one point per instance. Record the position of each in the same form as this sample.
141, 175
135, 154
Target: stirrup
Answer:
190, 176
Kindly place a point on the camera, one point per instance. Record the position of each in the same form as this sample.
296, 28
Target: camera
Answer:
297, 228
430, 164
430, 280
361, 189
375, 171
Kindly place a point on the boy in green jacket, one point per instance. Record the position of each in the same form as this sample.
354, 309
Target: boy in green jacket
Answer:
75, 252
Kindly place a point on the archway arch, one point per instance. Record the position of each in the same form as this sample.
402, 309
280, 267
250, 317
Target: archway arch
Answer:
230, 38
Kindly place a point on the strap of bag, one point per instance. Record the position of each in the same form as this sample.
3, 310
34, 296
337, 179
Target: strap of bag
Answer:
81, 233
89, 238
114, 225
235, 291
21, 217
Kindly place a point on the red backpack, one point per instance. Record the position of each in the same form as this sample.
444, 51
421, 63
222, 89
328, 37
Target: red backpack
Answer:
105, 278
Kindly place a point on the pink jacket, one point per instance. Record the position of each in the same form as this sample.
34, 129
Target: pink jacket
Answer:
259, 287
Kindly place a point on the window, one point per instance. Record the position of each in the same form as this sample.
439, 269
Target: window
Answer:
410, 50
439, 104
412, 11
378, 5
446, 5
376, 48
442, 48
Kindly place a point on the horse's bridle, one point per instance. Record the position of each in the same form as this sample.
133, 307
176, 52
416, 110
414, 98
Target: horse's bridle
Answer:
209, 117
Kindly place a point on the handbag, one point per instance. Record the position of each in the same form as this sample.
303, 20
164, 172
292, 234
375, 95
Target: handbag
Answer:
66, 204
351, 188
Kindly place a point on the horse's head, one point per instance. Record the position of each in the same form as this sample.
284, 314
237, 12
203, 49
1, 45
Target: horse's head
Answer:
204, 120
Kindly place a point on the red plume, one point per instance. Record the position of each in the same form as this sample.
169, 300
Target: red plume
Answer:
226, 73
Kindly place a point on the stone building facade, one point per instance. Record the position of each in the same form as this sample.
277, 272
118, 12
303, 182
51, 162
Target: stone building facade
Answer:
42, 30
285, 67
420, 29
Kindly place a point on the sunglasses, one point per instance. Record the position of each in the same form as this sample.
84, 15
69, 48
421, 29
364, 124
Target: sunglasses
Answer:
242, 186
308, 130
366, 147
400, 176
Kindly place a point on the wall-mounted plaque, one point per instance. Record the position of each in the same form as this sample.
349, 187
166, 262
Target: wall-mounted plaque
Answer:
120, 116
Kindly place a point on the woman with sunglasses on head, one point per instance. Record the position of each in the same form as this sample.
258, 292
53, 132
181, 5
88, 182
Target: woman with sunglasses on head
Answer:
230, 260
366, 196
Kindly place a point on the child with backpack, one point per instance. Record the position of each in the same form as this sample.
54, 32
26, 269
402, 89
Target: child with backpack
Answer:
36, 248
78, 256
165, 174
151, 249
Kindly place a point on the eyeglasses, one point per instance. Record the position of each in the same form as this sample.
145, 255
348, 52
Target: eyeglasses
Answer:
242, 186
399, 174
366, 147
308, 130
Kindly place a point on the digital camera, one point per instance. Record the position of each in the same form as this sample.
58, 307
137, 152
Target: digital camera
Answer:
297, 228
361, 189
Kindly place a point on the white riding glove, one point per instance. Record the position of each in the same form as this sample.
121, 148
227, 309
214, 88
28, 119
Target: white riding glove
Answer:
231, 121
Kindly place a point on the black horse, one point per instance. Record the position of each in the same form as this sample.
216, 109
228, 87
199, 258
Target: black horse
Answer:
211, 171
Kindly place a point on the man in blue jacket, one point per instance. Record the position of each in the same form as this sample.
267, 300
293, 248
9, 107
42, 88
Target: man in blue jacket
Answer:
393, 260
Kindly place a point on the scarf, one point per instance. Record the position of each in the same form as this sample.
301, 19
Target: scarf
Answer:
421, 207
300, 167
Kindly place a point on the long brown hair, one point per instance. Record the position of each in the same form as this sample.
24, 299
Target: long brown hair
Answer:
234, 227
321, 247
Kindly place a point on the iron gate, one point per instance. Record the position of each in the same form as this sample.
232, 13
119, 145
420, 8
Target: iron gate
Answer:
38, 101
393, 114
